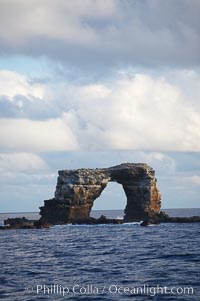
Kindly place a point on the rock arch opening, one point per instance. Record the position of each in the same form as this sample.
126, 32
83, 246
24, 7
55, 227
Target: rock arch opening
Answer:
112, 198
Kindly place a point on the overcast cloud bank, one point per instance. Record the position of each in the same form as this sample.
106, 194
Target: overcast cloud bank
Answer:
109, 33
131, 112
121, 84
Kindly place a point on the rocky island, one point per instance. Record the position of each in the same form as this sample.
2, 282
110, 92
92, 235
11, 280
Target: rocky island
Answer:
77, 189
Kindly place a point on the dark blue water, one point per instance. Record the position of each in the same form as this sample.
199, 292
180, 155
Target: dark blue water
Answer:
104, 262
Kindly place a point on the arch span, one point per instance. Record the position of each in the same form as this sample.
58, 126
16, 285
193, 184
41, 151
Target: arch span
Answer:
77, 190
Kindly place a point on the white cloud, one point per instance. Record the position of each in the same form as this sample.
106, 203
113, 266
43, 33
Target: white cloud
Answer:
108, 32
131, 112
162, 163
63, 21
21, 162
188, 81
24, 198
136, 112
195, 179
36, 136
13, 84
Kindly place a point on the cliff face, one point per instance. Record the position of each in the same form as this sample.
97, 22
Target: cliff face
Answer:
76, 191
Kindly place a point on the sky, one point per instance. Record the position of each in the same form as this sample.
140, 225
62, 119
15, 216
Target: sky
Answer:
95, 83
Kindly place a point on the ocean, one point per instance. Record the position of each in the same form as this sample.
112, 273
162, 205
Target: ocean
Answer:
101, 262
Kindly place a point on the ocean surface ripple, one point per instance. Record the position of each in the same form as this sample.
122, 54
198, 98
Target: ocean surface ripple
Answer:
95, 261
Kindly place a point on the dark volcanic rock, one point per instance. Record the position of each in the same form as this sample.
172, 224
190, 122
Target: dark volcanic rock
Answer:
23, 223
99, 221
162, 217
192, 219
77, 190
18, 223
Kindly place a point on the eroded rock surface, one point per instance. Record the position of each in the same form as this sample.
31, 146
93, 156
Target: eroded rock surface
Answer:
77, 190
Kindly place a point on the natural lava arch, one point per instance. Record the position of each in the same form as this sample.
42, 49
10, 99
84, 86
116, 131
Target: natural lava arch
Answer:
77, 190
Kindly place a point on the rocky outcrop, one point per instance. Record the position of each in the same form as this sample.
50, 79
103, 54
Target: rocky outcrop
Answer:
23, 223
191, 219
77, 190
18, 222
